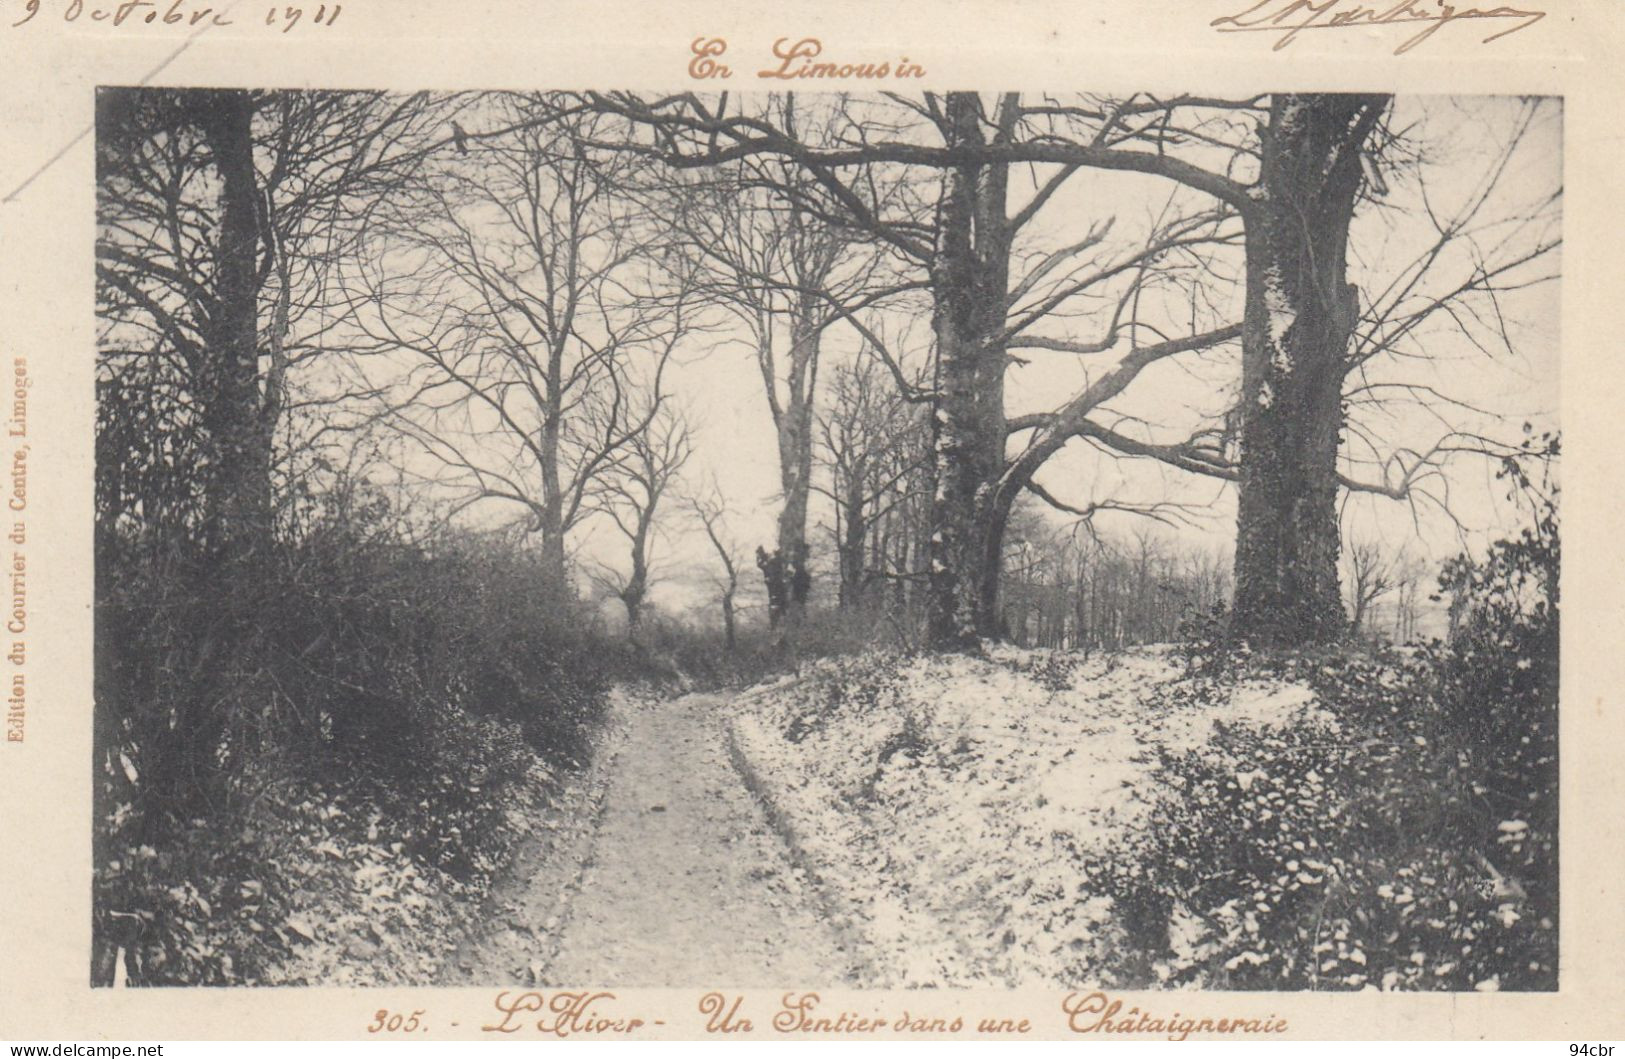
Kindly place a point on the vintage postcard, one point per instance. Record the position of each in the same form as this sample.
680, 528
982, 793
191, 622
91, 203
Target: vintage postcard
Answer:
810, 522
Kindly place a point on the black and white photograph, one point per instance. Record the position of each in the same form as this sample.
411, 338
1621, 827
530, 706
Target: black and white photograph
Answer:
826, 539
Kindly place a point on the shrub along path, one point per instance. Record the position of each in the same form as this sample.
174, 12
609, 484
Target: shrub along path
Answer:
681, 883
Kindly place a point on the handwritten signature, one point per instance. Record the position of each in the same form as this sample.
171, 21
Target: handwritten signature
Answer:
1288, 18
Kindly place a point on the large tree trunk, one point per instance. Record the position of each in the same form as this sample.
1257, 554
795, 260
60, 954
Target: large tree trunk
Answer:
232, 406
237, 418
970, 279
235, 415
1299, 316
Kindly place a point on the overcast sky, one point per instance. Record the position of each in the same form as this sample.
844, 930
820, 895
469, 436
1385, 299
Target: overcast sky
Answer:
1461, 137
717, 380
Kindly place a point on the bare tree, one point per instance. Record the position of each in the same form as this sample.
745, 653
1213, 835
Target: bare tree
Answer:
785, 274
642, 481
1080, 586
1371, 574
1410, 589
1309, 337
963, 249
538, 314
220, 214
710, 510
872, 442
1280, 180
1298, 317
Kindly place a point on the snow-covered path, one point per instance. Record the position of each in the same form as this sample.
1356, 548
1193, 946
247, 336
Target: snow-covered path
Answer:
683, 884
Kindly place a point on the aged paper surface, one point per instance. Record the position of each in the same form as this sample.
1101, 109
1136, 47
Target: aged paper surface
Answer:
59, 51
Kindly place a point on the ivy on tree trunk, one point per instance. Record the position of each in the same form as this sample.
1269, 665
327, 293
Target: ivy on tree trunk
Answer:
1299, 317
970, 272
239, 495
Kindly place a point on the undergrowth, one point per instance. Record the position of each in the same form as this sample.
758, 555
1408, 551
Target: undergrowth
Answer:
306, 758
1410, 844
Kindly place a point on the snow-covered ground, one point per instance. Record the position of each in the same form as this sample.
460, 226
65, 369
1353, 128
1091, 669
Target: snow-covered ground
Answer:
946, 803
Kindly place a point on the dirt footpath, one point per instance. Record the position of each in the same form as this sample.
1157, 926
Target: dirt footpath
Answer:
674, 879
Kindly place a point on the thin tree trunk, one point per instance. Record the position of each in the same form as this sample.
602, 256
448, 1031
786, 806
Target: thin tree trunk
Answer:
632, 598
1300, 312
637, 583
551, 516
852, 533
795, 459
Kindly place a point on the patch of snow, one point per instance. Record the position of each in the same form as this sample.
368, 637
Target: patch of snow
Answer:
948, 800
1279, 317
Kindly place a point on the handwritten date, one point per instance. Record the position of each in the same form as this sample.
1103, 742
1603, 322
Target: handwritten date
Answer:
283, 17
